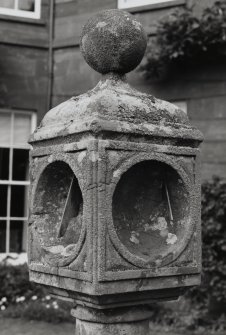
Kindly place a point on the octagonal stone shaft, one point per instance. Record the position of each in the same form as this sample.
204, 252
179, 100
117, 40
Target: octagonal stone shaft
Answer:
132, 328
117, 321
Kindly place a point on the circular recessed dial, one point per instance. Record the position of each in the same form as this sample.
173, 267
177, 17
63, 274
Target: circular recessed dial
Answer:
151, 211
57, 214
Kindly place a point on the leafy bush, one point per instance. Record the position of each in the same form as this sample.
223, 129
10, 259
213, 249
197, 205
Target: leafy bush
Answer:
21, 298
183, 37
15, 283
213, 286
41, 309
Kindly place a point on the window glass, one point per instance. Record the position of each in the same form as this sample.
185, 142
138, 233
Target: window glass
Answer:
20, 164
21, 129
16, 232
17, 201
4, 163
7, 3
3, 200
2, 236
182, 105
14, 179
28, 5
5, 128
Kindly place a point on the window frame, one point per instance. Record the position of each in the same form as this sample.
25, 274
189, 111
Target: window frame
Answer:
10, 182
154, 5
36, 14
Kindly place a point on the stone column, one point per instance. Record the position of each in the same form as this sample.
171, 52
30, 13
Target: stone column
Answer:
117, 321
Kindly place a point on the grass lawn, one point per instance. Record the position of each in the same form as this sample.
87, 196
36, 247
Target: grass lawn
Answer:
24, 327
9, 326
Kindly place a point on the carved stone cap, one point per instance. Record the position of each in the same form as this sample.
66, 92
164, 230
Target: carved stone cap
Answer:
113, 43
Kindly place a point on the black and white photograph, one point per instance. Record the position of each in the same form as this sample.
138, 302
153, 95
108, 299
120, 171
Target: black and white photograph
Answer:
113, 167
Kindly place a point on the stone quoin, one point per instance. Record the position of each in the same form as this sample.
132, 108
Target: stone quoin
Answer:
115, 192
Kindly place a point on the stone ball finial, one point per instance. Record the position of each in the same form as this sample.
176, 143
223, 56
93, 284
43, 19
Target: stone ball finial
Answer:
113, 41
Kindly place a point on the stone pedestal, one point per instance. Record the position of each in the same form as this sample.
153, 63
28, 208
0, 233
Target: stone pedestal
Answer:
117, 321
124, 328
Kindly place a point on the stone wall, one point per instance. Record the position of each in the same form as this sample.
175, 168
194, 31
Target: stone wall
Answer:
24, 47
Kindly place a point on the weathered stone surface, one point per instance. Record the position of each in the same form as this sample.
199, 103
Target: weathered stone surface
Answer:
101, 168
113, 41
150, 209
113, 107
118, 321
115, 194
57, 214
132, 328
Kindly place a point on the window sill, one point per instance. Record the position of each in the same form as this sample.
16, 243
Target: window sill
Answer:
156, 6
25, 20
13, 258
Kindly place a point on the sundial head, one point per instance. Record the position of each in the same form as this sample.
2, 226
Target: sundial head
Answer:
115, 190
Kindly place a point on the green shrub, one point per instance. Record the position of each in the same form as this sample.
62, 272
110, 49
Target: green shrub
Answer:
43, 309
213, 287
21, 298
15, 283
182, 37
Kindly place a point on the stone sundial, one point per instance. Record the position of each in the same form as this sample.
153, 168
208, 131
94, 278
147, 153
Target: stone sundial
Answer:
115, 191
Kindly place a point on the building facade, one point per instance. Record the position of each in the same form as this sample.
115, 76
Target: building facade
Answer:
41, 66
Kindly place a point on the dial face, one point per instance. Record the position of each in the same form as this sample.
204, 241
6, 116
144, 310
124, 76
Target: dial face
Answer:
57, 213
151, 210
